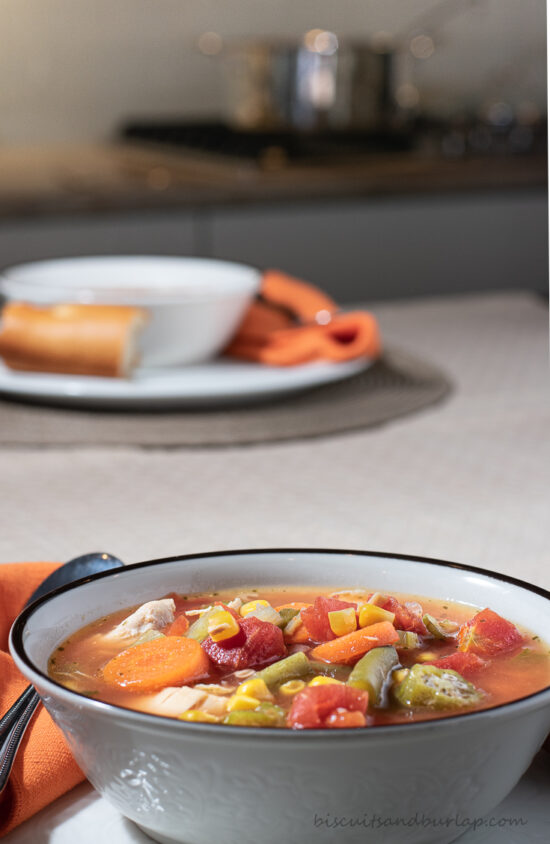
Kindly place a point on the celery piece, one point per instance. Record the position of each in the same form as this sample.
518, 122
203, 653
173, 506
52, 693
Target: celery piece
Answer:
268, 614
265, 715
407, 640
148, 636
433, 626
436, 688
199, 628
285, 669
372, 671
287, 613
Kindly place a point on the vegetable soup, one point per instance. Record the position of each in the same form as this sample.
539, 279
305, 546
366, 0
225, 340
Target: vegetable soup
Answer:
303, 658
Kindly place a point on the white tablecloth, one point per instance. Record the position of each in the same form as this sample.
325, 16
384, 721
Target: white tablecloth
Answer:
466, 480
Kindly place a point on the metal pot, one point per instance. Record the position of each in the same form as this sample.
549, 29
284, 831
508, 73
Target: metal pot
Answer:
309, 85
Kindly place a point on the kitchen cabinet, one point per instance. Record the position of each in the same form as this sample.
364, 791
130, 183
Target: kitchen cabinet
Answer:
53, 236
356, 249
383, 248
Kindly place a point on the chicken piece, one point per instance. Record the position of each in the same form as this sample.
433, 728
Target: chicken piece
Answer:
213, 705
215, 689
174, 701
153, 615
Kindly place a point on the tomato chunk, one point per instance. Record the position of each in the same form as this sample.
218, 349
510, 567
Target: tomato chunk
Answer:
316, 704
257, 643
179, 626
315, 618
342, 718
465, 664
488, 634
405, 619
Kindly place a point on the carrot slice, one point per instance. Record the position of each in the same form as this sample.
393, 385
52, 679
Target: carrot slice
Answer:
171, 661
347, 649
299, 637
179, 626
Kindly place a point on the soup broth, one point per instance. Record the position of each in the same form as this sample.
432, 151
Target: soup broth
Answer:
302, 658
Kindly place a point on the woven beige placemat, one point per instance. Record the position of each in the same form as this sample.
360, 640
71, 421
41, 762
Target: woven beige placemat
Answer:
396, 385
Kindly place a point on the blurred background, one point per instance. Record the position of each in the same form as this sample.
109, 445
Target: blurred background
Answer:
378, 148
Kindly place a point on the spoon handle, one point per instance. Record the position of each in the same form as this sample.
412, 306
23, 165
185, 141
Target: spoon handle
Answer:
10, 741
14, 712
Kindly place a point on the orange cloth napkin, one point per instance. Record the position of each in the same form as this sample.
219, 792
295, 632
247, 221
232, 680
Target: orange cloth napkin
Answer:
44, 768
293, 322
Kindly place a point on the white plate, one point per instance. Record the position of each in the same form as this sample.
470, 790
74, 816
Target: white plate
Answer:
219, 382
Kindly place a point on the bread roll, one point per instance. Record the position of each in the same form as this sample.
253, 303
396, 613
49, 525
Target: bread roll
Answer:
73, 339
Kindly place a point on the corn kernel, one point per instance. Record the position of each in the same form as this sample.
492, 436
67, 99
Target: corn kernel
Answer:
321, 680
256, 687
242, 702
399, 675
199, 717
342, 621
292, 687
371, 614
222, 625
426, 656
377, 598
252, 605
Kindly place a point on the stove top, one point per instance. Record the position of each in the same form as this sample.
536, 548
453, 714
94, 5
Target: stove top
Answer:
269, 149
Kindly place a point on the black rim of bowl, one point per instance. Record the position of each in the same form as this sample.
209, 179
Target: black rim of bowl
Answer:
18, 627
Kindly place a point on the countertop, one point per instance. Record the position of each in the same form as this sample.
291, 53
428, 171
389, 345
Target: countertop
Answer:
466, 480
47, 181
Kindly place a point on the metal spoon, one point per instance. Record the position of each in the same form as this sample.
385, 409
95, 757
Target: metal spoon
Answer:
16, 720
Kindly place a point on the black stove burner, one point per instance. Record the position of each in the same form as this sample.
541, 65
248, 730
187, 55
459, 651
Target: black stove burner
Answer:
266, 147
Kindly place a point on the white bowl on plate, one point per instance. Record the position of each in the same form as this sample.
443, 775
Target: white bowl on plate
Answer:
198, 783
195, 305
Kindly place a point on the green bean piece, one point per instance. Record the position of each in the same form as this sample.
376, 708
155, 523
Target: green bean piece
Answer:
372, 671
199, 628
285, 669
265, 715
329, 669
148, 636
436, 688
287, 613
433, 626
408, 640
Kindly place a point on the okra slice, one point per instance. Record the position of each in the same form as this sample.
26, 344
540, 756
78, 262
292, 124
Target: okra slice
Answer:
433, 626
285, 669
436, 688
265, 715
199, 628
372, 671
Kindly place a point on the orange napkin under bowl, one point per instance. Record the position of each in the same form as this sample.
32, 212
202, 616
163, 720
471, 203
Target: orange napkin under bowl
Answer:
292, 322
44, 768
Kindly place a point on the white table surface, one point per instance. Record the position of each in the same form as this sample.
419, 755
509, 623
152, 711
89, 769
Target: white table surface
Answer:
466, 480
